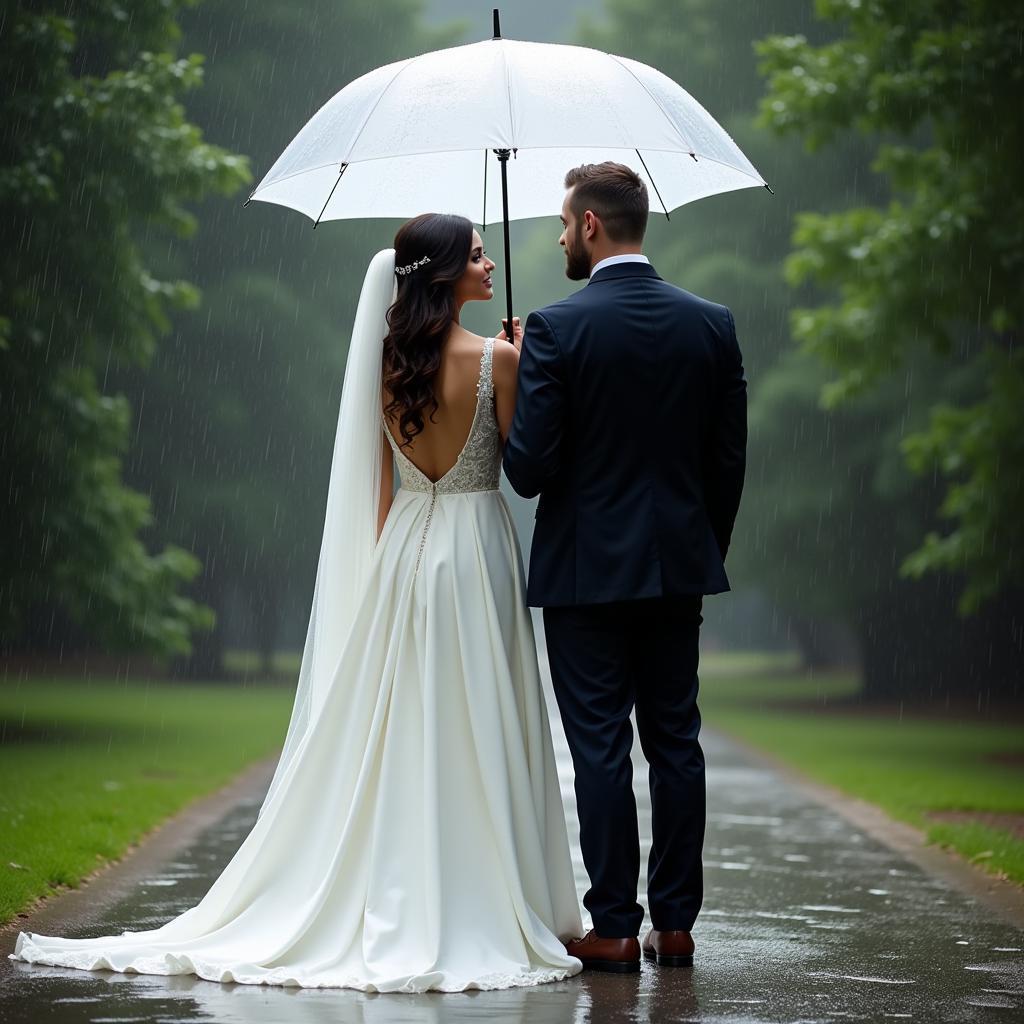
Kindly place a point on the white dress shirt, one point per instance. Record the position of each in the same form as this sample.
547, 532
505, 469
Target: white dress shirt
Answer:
627, 257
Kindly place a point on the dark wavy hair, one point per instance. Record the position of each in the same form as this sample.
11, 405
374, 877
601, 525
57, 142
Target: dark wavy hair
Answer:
422, 314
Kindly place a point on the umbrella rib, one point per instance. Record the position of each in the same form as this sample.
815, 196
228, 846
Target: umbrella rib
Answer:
508, 93
344, 167
655, 184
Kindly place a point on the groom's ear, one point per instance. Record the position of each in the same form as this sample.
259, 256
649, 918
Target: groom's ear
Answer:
590, 223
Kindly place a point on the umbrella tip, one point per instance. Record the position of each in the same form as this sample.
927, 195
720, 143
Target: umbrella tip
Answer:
497, 24
770, 190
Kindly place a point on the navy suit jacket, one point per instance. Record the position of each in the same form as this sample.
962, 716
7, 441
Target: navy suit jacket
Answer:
631, 425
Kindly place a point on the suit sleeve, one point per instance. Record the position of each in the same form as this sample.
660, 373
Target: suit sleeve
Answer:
533, 449
726, 451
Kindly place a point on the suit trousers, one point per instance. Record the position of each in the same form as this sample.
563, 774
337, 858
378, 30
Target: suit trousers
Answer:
605, 660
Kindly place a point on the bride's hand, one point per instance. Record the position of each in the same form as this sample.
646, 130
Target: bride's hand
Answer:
517, 332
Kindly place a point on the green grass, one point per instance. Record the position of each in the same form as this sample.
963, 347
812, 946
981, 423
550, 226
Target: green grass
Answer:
89, 767
753, 663
906, 762
282, 663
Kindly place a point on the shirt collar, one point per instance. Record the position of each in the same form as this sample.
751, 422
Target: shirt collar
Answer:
610, 261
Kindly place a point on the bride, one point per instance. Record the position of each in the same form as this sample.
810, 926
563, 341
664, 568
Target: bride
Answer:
413, 835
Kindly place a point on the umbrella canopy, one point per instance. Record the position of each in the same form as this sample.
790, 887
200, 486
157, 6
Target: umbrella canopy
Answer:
421, 134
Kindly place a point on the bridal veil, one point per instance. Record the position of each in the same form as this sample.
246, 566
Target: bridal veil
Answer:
350, 522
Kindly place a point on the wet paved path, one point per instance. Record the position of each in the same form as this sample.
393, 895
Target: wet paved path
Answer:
806, 918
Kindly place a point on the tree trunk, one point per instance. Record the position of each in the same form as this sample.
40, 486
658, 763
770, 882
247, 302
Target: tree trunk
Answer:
823, 644
915, 646
266, 613
207, 658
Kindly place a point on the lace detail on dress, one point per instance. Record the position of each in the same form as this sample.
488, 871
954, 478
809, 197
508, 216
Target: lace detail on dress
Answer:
478, 467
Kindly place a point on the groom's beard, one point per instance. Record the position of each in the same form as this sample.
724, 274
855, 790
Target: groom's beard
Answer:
577, 262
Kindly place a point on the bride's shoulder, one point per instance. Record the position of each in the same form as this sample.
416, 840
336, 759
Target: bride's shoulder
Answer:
468, 346
477, 341
504, 362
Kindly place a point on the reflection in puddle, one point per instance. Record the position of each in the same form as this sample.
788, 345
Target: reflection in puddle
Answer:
831, 910
655, 995
859, 977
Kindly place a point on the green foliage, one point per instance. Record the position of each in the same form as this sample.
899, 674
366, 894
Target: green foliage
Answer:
98, 152
836, 508
974, 446
238, 411
937, 88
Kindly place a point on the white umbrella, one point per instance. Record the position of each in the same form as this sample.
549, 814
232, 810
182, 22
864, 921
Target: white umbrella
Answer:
421, 134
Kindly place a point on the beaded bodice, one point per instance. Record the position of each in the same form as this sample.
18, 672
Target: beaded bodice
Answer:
478, 466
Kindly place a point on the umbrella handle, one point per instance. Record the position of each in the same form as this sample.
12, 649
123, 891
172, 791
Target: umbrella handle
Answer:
503, 155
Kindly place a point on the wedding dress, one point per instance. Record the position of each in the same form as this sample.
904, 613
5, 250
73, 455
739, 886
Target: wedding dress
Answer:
413, 837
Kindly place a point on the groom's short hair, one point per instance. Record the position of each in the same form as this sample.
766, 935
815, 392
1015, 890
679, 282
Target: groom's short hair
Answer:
616, 193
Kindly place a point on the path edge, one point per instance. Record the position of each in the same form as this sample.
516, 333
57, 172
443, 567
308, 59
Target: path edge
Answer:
999, 895
79, 906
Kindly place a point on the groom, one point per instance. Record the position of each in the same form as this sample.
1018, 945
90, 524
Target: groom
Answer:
631, 424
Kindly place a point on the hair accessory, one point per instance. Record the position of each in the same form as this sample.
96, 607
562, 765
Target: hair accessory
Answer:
410, 267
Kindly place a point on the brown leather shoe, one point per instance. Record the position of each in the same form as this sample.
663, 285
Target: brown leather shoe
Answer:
669, 949
621, 956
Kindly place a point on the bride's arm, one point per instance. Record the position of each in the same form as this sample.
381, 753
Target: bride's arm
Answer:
387, 483
505, 370
533, 450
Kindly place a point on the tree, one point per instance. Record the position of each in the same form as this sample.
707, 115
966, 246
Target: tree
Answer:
837, 512
936, 86
98, 152
236, 414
